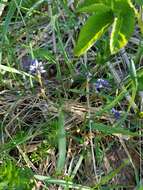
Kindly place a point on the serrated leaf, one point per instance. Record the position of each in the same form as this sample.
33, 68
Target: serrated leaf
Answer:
94, 28
122, 30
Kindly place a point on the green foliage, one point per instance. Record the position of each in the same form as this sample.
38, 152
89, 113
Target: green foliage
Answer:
89, 33
69, 184
139, 2
108, 130
28, 3
63, 183
61, 143
10, 13
123, 28
110, 176
121, 13
140, 83
12, 177
95, 8
34, 121
103, 50
41, 153
87, 3
133, 73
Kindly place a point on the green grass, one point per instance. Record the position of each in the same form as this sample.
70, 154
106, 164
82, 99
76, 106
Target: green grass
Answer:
56, 130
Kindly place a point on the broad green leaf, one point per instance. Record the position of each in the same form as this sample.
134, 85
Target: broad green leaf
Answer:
94, 28
122, 30
98, 7
86, 3
122, 6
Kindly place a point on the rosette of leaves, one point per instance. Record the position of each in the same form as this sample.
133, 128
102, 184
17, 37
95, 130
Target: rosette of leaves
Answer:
118, 14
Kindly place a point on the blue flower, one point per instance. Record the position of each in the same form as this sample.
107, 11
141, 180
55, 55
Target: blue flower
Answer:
115, 113
36, 67
101, 84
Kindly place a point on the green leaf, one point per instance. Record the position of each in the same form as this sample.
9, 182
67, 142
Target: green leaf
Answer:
62, 143
94, 28
141, 187
10, 13
106, 129
87, 3
140, 83
13, 70
123, 27
63, 183
98, 7
133, 73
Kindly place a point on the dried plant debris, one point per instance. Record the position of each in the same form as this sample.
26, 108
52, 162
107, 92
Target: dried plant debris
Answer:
98, 95
115, 156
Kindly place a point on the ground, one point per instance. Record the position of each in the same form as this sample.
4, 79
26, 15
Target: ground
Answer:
67, 122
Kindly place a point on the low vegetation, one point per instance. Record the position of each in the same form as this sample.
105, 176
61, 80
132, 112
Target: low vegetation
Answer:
71, 94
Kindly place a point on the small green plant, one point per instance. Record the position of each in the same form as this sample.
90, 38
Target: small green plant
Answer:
120, 14
13, 177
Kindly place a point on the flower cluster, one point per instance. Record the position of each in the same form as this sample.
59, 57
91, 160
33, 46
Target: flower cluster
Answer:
101, 84
115, 113
104, 84
36, 67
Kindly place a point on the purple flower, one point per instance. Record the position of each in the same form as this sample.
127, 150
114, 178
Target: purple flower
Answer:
36, 67
101, 84
115, 113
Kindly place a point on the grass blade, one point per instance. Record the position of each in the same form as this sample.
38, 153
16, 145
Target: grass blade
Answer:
63, 183
61, 144
109, 130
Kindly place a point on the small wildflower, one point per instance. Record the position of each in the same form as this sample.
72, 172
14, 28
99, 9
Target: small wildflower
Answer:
101, 84
115, 113
36, 67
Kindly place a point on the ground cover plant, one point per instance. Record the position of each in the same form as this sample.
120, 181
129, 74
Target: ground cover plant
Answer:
71, 94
